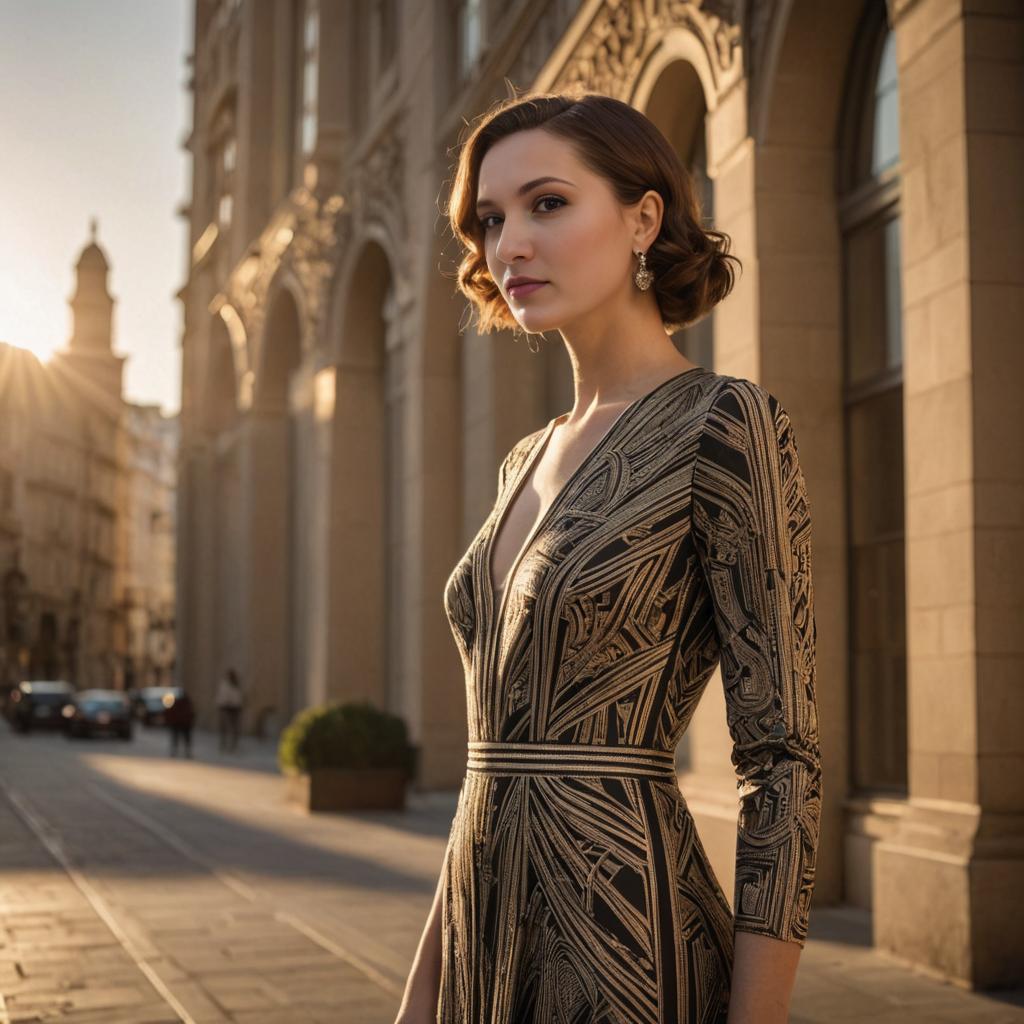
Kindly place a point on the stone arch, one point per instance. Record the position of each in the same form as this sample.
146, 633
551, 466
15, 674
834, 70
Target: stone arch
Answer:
361, 284
674, 88
680, 52
273, 506
280, 349
241, 353
367, 527
220, 381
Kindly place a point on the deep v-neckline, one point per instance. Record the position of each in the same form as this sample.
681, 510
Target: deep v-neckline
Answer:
512, 491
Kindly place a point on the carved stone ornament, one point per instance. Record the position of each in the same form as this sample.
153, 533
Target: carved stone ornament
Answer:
375, 187
610, 54
304, 237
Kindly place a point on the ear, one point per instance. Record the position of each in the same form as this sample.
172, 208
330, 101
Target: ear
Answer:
647, 216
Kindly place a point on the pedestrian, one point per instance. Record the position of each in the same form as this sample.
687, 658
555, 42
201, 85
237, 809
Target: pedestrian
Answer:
179, 718
229, 709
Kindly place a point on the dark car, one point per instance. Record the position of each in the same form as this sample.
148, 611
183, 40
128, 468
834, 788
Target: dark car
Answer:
99, 711
37, 704
152, 702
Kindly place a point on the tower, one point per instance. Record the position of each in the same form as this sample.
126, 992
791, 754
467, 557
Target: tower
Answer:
90, 349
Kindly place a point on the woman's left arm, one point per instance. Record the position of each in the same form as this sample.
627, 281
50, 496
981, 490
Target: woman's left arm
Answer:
751, 524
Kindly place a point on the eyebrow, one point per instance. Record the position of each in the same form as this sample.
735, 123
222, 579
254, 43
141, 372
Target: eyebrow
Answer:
523, 189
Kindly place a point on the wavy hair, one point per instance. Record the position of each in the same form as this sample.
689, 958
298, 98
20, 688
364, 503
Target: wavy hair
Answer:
691, 264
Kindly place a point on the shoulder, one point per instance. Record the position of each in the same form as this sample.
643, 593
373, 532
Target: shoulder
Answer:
745, 427
744, 414
741, 399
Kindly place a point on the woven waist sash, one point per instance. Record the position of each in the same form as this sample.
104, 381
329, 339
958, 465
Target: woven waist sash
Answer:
501, 758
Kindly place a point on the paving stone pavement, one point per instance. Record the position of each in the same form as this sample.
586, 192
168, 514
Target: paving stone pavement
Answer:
140, 889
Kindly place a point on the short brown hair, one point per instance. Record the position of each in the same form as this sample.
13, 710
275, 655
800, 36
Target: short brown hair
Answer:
691, 264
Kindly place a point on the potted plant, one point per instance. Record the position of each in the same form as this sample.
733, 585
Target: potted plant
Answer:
343, 757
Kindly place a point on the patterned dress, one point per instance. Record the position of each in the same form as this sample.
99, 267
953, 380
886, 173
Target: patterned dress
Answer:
576, 888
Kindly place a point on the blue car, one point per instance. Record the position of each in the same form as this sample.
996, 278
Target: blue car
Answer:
98, 711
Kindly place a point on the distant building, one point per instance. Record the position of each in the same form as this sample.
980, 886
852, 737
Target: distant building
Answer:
148, 549
79, 575
342, 427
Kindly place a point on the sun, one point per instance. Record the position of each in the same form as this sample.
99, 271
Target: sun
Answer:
40, 348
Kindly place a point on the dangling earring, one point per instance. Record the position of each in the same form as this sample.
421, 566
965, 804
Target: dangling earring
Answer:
643, 276
531, 344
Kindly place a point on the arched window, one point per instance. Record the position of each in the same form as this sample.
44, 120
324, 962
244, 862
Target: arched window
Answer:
385, 20
469, 24
309, 50
223, 156
228, 157
869, 204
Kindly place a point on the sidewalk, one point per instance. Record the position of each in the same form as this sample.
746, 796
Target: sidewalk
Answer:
253, 753
248, 911
841, 978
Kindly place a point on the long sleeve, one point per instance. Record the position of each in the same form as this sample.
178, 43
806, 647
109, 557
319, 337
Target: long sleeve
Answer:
752, 531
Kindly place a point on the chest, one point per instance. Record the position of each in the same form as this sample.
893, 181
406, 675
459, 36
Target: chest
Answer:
560, 454
593, 524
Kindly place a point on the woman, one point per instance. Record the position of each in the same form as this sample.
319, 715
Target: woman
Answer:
657, 528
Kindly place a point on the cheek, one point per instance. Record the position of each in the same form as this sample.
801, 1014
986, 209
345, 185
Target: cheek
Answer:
585, 251
492, 264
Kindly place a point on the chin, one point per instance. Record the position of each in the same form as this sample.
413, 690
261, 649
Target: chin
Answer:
533, 327
538, 323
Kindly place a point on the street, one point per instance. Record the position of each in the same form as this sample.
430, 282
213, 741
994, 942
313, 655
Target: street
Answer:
139, 888
134, 887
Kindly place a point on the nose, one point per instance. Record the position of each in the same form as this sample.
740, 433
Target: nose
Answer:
513, 242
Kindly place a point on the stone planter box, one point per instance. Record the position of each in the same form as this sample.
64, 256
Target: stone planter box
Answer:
349, 789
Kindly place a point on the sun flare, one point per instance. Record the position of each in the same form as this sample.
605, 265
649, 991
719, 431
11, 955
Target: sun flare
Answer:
40, 348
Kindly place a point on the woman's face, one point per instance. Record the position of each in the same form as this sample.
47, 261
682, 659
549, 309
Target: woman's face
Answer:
573, 234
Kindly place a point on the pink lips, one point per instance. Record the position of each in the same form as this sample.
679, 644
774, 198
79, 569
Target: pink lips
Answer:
517, 291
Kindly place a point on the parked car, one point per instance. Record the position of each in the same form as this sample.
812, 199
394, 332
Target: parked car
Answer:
37, 703
152, 702
98, 711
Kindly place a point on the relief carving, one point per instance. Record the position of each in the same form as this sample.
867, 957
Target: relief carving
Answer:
610, 54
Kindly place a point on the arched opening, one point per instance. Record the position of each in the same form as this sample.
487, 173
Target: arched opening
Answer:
220, 420
220, 406
275, 530
368, 530
869, 213
677, 106
280, 354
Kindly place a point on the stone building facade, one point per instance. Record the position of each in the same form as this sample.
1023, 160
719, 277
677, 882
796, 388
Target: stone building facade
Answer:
87, 506
148, 542
342, 423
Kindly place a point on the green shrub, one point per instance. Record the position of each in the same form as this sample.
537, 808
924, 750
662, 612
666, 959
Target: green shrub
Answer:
351, 735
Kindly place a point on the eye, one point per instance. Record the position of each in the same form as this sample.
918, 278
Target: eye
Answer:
543, 199
550, 199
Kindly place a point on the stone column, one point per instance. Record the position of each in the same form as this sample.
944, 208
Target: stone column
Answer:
263, 572
949, 885
196, 579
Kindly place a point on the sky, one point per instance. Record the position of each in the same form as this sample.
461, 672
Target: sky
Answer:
93, 113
